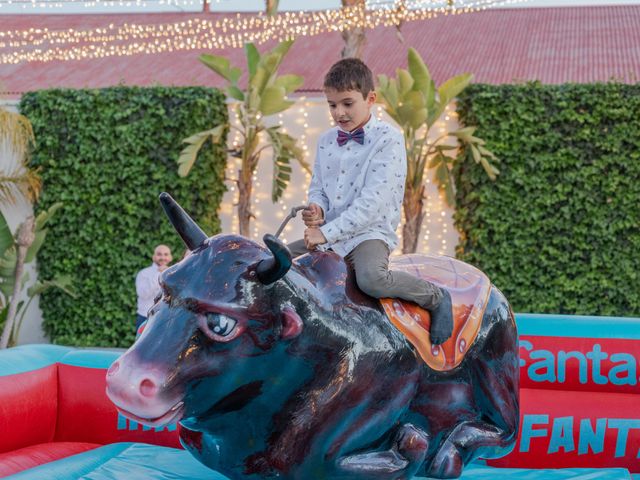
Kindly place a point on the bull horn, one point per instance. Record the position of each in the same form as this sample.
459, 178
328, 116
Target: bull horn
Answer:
273, 269
187, 228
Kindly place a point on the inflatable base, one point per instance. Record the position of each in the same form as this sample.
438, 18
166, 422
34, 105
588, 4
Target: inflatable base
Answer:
579, 385
139, 460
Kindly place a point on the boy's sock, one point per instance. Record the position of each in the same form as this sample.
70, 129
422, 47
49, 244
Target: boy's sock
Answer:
441, 319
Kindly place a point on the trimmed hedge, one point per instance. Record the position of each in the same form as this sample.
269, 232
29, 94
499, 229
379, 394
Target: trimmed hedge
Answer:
559, 231
107, 154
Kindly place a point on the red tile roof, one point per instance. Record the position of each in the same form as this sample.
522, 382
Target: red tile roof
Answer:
553, 45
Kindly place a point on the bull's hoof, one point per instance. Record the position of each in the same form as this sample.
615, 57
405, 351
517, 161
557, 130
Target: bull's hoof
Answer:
447, 463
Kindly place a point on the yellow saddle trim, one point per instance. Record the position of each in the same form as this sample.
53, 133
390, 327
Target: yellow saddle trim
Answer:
469, 289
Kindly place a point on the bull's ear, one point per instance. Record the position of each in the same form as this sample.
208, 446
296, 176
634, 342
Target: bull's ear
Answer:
291, 323
273, 269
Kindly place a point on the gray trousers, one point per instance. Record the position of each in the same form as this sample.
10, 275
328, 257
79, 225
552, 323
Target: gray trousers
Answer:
370, 262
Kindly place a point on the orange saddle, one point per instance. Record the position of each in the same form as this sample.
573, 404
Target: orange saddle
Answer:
469, 289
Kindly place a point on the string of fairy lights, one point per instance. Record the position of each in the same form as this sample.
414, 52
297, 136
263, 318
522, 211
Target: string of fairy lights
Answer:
202, 33
88, 4
305, 121
39, 5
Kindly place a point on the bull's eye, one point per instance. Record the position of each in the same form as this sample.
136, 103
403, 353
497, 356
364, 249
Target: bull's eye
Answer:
220, 324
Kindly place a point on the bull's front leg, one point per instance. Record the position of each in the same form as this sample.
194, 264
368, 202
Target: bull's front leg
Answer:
488, 435
401, 461
467, 441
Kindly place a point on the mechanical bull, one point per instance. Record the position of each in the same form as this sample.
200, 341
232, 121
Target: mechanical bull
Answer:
281, 369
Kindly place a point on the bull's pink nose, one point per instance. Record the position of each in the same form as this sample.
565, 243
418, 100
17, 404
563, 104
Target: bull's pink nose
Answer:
113, 369
148, 388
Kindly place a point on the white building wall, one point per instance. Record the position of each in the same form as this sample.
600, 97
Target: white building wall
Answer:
305, 121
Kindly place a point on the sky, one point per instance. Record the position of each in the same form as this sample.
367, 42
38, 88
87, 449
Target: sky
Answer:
129, 6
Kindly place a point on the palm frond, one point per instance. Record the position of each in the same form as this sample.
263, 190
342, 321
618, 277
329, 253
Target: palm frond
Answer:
16, 139
21, 180
284, 149
16, 132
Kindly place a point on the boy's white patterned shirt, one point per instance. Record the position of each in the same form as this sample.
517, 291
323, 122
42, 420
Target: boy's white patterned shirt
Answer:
360, 187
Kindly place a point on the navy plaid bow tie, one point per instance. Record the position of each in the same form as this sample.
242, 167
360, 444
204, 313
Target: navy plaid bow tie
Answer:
357, 135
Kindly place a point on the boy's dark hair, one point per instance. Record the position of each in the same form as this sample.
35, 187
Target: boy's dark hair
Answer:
350, 74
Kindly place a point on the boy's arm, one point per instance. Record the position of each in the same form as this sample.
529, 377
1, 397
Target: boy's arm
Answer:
317, 194
383, 191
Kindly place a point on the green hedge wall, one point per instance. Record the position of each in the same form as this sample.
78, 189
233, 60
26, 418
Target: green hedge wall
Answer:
559, 231
107, 154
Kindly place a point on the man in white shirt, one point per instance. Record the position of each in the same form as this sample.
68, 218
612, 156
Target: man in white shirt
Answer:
356, 194
147, 286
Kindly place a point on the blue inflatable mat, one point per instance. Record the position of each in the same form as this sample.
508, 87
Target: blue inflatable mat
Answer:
123, 461
30, 357
480, 472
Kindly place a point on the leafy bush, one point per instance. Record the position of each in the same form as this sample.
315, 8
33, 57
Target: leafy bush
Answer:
107, 154
560, 231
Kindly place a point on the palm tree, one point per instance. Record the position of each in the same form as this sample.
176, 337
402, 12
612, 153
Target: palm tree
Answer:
271, 6
354, 38
16, 140
414, 102
265, 94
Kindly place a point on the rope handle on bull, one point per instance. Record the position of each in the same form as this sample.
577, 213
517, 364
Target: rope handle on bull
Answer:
294, 212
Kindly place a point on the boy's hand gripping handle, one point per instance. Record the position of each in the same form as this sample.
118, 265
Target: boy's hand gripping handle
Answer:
294, 212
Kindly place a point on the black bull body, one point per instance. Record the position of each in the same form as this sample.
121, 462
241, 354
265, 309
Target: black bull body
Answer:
288, 370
